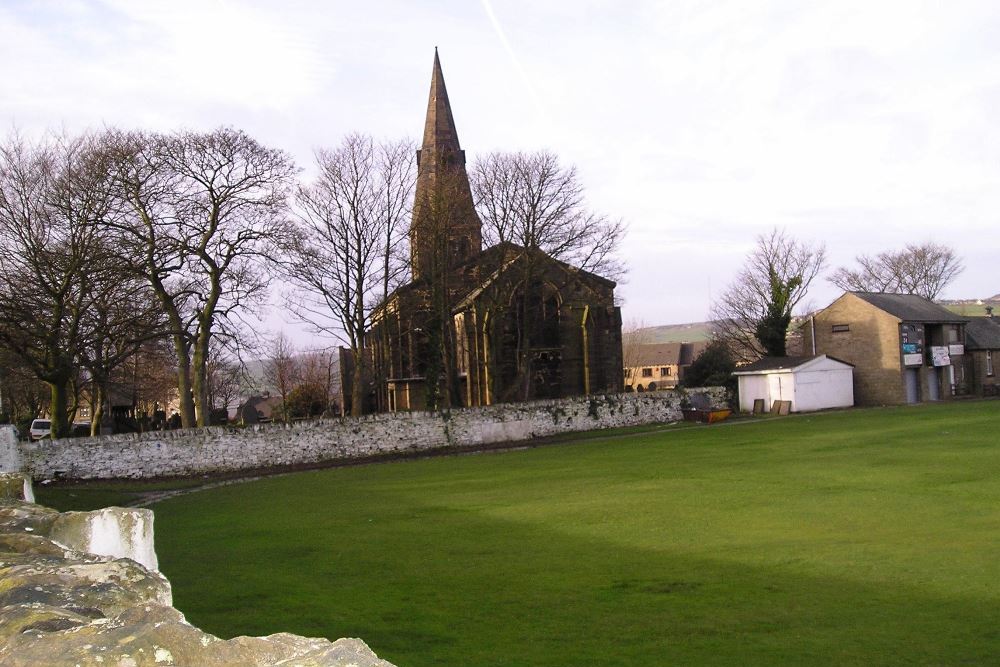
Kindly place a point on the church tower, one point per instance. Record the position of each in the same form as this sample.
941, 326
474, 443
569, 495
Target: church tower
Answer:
445, 229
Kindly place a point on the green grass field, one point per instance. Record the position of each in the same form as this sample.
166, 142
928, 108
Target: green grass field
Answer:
859, 537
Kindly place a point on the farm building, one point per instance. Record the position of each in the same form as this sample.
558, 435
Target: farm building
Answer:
810, 383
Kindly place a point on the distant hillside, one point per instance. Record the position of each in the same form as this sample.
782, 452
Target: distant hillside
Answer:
972, 307
692, 332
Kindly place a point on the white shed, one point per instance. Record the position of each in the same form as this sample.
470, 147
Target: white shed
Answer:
810, 383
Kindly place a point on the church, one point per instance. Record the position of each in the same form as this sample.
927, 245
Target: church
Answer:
481, 326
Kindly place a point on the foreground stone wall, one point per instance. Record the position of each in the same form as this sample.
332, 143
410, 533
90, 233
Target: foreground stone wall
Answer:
229, 449
64, 604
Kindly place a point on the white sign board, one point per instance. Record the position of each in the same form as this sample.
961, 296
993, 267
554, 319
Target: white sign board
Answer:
939, 356
913, 360
956, 349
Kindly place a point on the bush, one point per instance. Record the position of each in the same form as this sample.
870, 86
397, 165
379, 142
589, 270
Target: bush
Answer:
713, 368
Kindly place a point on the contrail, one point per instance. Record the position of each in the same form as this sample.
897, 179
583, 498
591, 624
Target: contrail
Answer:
513, 58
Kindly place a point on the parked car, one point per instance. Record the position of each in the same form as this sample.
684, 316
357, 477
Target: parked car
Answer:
40, 428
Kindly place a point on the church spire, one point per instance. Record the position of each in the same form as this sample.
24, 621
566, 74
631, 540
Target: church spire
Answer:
445, 230
440, 134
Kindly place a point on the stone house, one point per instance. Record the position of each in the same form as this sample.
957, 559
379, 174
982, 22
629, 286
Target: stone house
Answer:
982, 353
655, 366
481, 326
904, 348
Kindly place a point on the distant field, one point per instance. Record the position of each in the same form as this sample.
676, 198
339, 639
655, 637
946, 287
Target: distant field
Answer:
972, 309
858, 537
692, 332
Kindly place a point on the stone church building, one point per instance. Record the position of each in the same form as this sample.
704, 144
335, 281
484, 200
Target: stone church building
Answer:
481, 326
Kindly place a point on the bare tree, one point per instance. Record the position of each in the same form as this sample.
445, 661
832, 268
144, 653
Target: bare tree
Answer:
754, 312
635, 334
121, 316
150, 376
346, 255
534, 210
318, 368
204, 214
22, 395
281, 370
924, 269
52, 258
532, 201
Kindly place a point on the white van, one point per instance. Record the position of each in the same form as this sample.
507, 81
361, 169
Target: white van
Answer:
40, 428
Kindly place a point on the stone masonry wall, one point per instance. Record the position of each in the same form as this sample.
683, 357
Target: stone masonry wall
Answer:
871, 344
229, 449
81, 589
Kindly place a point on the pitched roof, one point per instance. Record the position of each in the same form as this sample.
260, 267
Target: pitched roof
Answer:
440, 133
909, 307
982, 333
691, 351
783, 363
656, 354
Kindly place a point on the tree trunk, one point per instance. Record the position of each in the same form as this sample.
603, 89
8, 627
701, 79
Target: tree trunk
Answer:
199, 380
97, 408
357, 383
58, 408
184, 382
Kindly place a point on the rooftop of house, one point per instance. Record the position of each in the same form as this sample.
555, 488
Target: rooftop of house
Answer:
982, 333
783, 363
665, 354
910, 307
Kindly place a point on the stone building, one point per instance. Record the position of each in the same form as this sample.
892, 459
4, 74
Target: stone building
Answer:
479, 326
904, 348
653, 366
982, 354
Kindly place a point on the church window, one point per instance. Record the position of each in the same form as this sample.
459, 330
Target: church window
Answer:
841, 328
989, 362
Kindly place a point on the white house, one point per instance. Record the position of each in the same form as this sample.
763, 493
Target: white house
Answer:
810, 383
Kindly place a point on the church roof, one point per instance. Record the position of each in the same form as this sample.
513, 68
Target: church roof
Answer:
496, 259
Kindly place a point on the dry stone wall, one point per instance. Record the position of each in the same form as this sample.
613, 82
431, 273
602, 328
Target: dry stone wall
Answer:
75, 592
227, 450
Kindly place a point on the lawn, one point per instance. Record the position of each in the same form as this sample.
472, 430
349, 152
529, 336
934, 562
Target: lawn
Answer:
858, 537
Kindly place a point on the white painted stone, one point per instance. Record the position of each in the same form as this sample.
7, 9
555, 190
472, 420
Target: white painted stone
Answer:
10, 453
119, 532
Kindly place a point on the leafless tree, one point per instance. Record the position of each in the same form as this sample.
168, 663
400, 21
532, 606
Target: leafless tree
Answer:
121, 316
635, 334
150, 376
534, 209
52, 258
22, 395
204, 213
347, 254
319, 368
281, 370
754, 312
534, 202
226, 379
924, 269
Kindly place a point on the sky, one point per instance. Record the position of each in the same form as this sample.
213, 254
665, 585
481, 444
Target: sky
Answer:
862, 125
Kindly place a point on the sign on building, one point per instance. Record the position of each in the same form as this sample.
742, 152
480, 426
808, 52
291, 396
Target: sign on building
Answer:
939, 355
911, 341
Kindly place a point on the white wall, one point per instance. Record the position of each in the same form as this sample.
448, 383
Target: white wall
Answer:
808, 390
819, 390
752, 387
